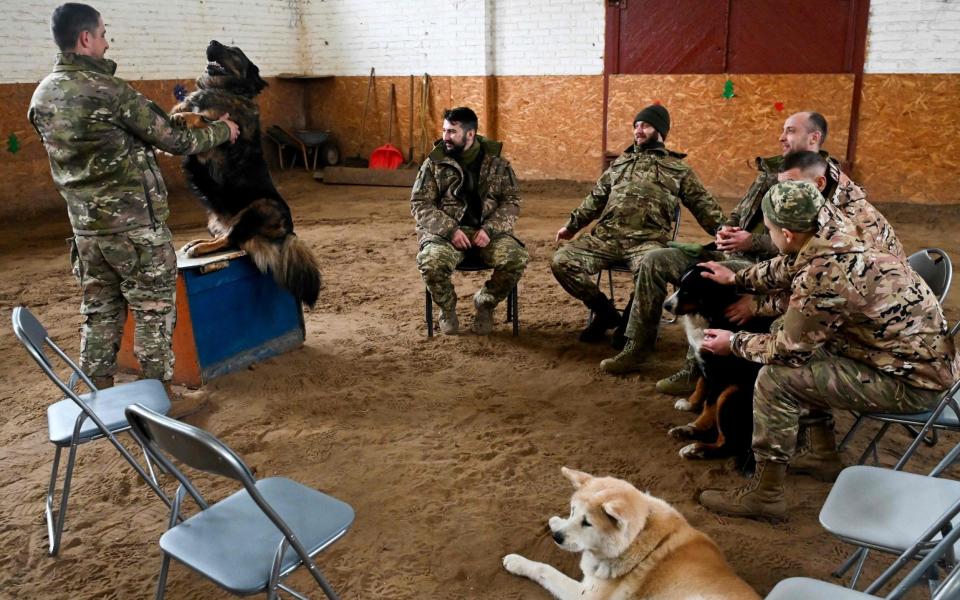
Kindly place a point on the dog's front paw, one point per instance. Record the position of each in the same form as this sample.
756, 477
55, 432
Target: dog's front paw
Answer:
692, 452
683, 404
682, 432
517, 565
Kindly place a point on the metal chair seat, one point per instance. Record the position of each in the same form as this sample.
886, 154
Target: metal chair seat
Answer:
108, 404
233, 542
804, 588
884, 509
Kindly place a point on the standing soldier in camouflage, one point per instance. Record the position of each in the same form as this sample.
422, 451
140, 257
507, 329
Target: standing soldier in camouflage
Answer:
466, 201
862, 332
99, 134
634, 203
743, 240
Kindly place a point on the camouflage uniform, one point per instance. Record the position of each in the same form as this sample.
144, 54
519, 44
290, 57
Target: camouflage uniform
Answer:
666, 266
99, 134
438, 206
634, 203
861, 332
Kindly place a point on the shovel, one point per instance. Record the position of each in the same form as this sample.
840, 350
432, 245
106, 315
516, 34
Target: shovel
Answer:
410, 164
358, 160
388, 156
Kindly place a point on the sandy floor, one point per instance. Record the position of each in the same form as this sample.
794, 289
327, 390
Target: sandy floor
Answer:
449, 449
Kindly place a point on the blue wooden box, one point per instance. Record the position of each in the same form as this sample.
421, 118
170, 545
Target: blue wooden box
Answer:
229, 316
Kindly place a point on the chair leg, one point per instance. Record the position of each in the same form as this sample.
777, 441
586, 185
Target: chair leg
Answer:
515, 296
162, 579
55, 521
873, 445
306, 162
850, 433
610, 284
429, 312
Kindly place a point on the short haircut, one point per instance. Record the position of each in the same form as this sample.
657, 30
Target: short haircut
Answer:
69, 20
463, 115
818, 123
804, 160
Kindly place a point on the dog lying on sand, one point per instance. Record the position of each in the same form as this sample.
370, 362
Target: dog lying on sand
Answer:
633, 546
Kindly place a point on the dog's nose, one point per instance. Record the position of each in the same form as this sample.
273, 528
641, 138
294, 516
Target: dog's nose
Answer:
558, 537
670, 304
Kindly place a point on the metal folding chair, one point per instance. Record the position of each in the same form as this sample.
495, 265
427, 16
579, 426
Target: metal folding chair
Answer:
472, 264
82, 418
250, 541
934, 267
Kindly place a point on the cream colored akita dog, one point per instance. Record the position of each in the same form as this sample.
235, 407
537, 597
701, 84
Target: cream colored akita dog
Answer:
634, 546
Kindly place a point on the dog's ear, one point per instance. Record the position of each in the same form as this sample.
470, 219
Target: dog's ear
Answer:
615, 511
577, 478
253, 76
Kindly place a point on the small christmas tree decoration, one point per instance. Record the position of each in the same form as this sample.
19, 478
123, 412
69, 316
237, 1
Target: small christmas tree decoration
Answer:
728, 89
13, 144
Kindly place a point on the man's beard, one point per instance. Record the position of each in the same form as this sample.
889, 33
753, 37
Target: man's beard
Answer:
456, 151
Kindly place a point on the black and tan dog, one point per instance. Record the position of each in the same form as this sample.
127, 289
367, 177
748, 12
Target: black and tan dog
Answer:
232, 181
724, 392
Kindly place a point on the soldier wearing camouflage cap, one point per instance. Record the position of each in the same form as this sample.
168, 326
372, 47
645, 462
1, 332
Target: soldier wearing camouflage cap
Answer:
99, 134
466, 202
633, 204
862, 332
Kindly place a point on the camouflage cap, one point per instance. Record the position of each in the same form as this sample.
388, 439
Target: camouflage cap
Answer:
793, 205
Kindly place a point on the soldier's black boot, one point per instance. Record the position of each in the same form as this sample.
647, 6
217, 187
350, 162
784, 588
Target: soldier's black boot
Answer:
817, 455
605, 317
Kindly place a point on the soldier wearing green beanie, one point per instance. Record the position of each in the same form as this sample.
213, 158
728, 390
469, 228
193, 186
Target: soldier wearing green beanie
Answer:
861, 332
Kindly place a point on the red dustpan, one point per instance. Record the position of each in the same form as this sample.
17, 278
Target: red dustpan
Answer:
387, 156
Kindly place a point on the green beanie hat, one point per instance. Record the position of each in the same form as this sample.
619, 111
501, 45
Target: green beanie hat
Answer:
793, 205
657, 116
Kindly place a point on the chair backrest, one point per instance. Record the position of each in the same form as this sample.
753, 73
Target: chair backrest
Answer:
33, 335
934, 267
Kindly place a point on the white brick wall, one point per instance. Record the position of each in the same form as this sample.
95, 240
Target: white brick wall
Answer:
158, 40
918, 36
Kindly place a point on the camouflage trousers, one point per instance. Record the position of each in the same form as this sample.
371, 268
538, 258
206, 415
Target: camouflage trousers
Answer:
576, 263
783, 394
504, 254
136, 268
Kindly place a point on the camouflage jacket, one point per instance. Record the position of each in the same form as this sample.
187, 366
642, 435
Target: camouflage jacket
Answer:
857, 302
437, 203
99, 133
869, 224
636, 198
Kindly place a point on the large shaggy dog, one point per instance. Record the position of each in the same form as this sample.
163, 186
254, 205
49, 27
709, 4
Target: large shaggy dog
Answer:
724, 392
232, 181
633, 546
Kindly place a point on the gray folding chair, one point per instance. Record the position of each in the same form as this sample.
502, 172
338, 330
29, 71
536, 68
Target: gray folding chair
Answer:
250, 541
803, 588
946, 416
82, 418
886, 510
934, 267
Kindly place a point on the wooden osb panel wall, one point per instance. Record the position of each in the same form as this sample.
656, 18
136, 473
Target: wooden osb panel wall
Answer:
721, 136
25, 176
908, 148
551, 126
337, 105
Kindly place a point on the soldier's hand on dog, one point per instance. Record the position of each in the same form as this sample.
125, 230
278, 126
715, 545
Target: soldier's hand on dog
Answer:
480, 239
460, 240
733, 239
234, 128
564, 234
716, 341
742, 310
719, 273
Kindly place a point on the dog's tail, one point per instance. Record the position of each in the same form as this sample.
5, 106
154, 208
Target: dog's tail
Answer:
291, 263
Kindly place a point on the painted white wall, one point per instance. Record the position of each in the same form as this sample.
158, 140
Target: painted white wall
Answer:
165, 40
915, 36
158, 40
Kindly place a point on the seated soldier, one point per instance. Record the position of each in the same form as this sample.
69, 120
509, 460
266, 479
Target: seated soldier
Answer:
466, 200
634, 203
862, 332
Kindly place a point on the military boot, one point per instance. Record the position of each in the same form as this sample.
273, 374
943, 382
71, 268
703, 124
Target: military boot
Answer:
631, 358
681, 383
449, 324
605, 317
762, 498
818, 456
183, 404
483, 321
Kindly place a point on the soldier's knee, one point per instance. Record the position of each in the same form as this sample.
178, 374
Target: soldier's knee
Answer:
769, 382
433, 260
561, 263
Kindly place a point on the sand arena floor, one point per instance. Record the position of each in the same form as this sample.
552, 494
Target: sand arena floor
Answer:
449, 449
